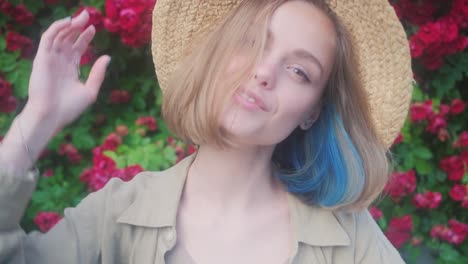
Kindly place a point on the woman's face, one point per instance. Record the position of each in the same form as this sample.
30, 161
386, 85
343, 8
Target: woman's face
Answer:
289, 80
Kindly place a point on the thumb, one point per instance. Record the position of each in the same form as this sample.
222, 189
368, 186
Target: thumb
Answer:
96, 76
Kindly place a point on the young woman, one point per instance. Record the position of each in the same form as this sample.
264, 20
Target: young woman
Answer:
293, 105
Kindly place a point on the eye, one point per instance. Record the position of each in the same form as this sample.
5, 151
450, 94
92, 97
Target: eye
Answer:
298, 72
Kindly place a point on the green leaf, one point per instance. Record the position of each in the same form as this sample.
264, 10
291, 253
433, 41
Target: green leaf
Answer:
135, 158
423, 167
139, 102
440, 176
408, 162
82, 139
422, 152
59, 12
8, 61
418, 95
24, 68
382, 223
448, 253
465, 178
2, 43
33, 5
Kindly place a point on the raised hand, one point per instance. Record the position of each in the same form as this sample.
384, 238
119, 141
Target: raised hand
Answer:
56, 94
55, 90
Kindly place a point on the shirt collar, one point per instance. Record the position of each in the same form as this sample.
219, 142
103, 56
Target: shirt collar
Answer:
156, 206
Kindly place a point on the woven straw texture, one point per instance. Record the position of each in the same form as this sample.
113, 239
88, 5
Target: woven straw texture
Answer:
381, 46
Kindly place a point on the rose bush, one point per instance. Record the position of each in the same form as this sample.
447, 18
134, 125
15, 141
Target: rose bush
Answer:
424, 205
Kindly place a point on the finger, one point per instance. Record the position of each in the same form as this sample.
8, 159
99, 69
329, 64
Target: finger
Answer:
76, 26
96, 76
82, 43
70, 38
48, 36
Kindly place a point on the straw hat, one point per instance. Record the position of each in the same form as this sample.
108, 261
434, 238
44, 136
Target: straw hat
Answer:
383, 58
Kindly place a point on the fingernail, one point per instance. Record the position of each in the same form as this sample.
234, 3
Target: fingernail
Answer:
108, 63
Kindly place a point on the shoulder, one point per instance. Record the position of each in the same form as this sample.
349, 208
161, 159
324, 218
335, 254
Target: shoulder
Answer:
369, 243
114, 198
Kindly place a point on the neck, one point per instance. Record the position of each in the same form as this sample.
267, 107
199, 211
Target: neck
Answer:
238, 179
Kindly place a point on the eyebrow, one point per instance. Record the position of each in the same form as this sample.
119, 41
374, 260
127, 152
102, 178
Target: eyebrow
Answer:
307, 55
302, 53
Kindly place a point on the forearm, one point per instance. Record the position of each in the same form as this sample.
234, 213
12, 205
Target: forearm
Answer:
30, 130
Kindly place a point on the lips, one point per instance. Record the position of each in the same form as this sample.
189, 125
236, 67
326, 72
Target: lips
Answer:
253, 98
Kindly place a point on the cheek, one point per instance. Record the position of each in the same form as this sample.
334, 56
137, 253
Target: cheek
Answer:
237, 62
297, 106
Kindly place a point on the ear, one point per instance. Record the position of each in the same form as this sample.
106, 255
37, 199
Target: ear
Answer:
306, 124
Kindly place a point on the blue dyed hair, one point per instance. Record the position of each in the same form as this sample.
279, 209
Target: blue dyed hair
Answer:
321, 164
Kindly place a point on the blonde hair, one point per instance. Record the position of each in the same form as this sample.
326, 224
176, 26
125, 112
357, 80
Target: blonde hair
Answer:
199, 89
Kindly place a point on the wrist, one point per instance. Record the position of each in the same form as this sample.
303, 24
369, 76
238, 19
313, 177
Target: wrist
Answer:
37, 128
28, 135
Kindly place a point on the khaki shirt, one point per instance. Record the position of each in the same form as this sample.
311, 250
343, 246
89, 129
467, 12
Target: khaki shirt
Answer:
134, 222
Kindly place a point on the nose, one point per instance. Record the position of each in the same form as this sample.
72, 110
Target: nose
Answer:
264, 75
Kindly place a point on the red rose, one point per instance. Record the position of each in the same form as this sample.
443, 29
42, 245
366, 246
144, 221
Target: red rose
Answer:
110, 25
46, 220
192, 149
398, 139
120, 96
463, 139
432, 62
457, 106
436, 230
399, 230
88, 56
459, 232
98, 180
436, 123
449, 29
122, 130
23, 16
375, 212
429, 33
7, 8
427, 200
464, 156
443, 135
460, 12
5, 89
454, 167
95, 17
112, 9
444, 110
86, 175
48, 173
111, 142
8, 104
129, 18
132, 171
417, 46
420, 111
19, 13
71, 152
458, 192
417, 13
104, 164
148, 121
16, 41
401, 184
